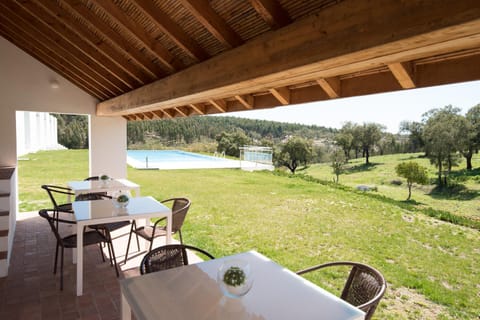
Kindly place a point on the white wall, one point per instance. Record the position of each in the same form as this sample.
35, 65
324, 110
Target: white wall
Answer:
109, 158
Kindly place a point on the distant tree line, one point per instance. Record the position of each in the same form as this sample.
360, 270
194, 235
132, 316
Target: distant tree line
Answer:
72, 130
194, 129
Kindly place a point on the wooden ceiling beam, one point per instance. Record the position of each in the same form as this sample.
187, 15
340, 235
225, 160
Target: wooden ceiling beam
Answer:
219, 104
198, 108
272, 12
65, 57
281, 94
316, 47
46, 56
246, 100
331, 86
403, 72
77, 8
170, 63
49, 25
204, 13
159, 114
170, 28
168, 113
111, 58
180, 111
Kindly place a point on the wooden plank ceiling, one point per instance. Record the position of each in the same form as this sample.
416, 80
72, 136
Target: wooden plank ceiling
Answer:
154, 59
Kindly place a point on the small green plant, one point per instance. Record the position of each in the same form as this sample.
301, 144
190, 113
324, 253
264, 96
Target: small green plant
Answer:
234, 277
104, 177
122, 198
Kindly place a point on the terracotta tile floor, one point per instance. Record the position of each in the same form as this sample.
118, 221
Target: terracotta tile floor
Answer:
32, 291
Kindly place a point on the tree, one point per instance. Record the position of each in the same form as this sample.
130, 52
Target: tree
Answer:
344, 138
369, 135
415, 137
442, 133
413, 172
338, 162
294, 152
230, 143
471, 139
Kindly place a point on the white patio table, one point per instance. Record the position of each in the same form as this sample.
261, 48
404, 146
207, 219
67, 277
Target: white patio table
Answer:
192, 292
104, 211
112, 185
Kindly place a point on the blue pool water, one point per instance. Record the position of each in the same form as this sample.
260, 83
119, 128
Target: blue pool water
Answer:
176, 159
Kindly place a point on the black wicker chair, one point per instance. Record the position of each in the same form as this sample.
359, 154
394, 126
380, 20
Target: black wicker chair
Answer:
364, 288
169, 256
57, 191
180, 208
70, 241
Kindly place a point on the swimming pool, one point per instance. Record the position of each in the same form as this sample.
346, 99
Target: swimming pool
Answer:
176, 159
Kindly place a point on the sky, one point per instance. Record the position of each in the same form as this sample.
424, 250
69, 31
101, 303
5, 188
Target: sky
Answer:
388, 109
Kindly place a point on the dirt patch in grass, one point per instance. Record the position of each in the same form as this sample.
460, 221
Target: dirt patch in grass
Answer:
403, 303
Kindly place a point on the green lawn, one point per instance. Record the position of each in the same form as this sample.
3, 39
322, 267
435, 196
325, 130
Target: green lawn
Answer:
463, 201
432, 267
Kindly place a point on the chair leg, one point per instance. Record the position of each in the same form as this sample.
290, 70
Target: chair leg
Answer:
61, 271
56, 259
101, 252
112, 252
134, 226
138, 243
180, 234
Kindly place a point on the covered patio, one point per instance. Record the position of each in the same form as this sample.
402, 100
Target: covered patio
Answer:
135, 60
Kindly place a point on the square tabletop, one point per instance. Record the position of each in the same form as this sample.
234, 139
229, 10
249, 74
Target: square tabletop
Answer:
192, 292
102, 211
79, 187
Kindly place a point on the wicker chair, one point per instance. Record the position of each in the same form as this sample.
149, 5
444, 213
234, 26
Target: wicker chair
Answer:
58, 191
180, 208
169, 256
70, 241
364, 288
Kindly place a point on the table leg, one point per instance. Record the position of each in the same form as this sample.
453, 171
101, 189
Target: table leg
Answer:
79, 259
126, 311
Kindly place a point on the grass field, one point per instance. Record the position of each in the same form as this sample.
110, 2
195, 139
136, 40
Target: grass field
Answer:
432, 267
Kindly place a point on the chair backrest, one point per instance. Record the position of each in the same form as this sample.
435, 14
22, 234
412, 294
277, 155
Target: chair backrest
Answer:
364, 288
52, 216
180, 208
56, 190
94, 178
169, 256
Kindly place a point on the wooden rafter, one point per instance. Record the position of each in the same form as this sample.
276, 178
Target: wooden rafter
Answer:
169, 113
116, 61
281, 94
204, 13
101, 27
199, 108
158, 114
403, 73
42, 53
70, 60
170, 28
246, 100
181, 111
272, 12
253, 67
331, 86
220, 105
137, 31
58, 32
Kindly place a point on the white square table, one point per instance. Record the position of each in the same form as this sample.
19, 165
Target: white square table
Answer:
112, 185
104, 211
192, 292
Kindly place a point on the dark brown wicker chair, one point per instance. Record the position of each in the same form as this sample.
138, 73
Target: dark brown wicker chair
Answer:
364, 288
180, 208
70, 241
58, 191
169, 256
